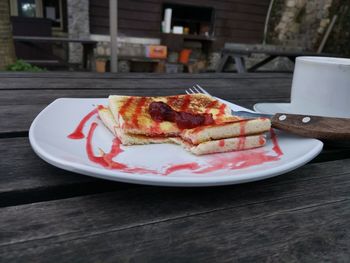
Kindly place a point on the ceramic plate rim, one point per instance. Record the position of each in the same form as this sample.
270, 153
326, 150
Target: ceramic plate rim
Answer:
100, 172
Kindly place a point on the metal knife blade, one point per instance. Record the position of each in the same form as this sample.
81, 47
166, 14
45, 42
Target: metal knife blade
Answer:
247, 114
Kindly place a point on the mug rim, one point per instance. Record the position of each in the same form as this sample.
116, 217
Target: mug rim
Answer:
320, 60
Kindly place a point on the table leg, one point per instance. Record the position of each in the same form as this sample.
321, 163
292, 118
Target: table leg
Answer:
240, 65
222, 63
88, 52
292, 59
261, 63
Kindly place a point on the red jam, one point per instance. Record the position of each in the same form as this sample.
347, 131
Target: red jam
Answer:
161, 111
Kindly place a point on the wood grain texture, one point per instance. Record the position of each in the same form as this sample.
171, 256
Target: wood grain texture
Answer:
323, 128
94, 75
26, 178
301, 214
17, 119
23, 96
245, 89
50, 215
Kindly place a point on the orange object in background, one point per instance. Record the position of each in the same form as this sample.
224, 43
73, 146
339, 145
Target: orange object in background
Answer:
100, 65
185, 56
156, 51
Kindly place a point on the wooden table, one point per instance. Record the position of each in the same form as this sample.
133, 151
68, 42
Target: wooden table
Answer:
238, 52
51, 215
87, 44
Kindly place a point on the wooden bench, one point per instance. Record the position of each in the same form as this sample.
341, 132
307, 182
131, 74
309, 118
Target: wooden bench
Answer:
88, 47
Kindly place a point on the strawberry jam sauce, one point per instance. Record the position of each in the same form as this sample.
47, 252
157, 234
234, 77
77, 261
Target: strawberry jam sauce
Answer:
241, 142
106, 159
78, 132
211, 163
137, 111
161, 111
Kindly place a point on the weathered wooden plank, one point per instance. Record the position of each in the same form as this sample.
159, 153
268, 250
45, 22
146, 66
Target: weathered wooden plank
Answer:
85, 83
299, 215
265, 3
17, 119
25, 177
22, 172
228, 24
317, 234
331, 152
237, 33
150, 33
94, 75
129, 23
251, 222
134, 14
23, 98
246, 87
255, 18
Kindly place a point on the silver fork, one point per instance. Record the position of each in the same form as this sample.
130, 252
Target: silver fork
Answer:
198, 89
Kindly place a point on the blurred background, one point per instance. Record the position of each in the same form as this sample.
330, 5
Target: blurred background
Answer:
169, 36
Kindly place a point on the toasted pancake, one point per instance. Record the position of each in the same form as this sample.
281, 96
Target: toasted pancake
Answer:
226, 130
108, 119
207, 147
132, 116
125, 138
223, 145
128, 118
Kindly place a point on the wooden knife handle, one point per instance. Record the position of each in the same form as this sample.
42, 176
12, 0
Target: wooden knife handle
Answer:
324, 128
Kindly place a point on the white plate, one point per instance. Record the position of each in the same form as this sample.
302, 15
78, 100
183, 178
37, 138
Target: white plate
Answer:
158, 164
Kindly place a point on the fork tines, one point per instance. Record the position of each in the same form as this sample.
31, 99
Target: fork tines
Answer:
197, 89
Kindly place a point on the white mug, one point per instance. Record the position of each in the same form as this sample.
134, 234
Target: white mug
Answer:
321, 86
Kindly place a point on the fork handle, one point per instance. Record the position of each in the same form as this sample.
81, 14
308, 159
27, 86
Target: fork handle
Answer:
324, 128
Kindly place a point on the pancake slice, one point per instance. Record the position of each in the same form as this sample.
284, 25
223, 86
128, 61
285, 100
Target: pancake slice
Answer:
107, 118
223, 145
131, 113
226, 130
127, 117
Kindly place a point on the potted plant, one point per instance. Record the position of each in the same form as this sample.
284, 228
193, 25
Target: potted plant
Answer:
101, 62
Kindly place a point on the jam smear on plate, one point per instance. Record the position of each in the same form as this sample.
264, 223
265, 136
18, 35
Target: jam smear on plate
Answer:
213, 163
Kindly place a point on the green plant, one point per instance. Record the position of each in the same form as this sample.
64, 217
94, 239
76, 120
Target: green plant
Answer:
102, 58
21, 65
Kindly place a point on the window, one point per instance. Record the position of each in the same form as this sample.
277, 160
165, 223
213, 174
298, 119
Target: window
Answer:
198, 19
51, 9
26, 8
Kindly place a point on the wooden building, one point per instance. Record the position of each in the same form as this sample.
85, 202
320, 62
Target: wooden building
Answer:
208, 22
240, 21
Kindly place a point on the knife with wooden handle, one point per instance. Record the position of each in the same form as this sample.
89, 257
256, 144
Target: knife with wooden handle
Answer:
324, 128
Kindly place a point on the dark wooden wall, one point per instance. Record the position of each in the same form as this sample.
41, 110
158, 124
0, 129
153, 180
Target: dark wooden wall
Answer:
240, 21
